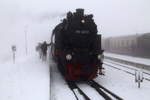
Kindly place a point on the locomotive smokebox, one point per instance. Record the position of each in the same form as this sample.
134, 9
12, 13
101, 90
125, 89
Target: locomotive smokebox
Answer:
80, 11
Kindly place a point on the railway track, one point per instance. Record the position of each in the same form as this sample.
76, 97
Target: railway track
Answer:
135, 69
137, 65
105, 93
126, 71
74, 88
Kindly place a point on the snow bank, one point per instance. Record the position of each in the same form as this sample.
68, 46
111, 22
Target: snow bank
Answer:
27, 79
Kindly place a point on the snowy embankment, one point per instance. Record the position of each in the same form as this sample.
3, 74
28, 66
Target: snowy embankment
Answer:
27, 79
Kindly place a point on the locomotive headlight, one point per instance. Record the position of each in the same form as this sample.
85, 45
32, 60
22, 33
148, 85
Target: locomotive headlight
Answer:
100, 57
82, 21
68, 57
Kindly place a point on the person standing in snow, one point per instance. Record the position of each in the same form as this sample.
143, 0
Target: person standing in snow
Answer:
39, 50
44, 50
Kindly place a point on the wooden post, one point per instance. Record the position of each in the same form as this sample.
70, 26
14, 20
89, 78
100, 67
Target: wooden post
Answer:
139, 77
13, 47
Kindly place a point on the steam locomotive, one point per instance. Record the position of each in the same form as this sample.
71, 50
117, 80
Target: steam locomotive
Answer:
76, 47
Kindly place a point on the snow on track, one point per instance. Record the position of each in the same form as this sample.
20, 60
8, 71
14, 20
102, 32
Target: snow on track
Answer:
91, 92
59, 88
139, 60
129, 68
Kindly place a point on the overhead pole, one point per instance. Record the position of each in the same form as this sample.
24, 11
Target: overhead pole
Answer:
26, 42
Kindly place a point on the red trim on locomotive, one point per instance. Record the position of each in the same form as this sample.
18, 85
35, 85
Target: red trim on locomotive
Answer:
57, 52
74, 72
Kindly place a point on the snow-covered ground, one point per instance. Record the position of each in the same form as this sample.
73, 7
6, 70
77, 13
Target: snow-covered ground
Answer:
139, 60
119, 82
123, 84
27, 79
59, 88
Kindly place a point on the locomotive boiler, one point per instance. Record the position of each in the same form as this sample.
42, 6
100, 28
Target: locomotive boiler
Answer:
76, 47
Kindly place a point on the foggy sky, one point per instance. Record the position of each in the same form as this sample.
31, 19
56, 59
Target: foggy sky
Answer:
113, 18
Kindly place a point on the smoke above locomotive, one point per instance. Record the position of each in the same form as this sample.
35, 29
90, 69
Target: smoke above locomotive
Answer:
76, 46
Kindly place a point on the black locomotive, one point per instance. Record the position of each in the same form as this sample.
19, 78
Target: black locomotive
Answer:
76, 46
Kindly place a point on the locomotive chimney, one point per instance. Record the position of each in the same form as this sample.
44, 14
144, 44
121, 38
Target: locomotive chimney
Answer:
80, 12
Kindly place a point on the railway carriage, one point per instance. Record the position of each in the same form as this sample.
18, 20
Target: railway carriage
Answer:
133, 45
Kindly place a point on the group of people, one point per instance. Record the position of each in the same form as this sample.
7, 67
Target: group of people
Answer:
42, 50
